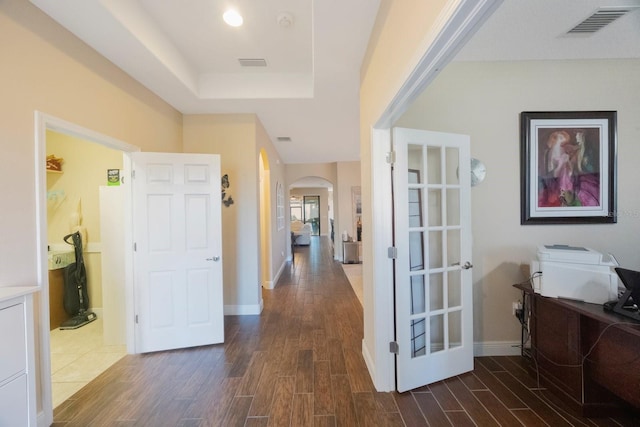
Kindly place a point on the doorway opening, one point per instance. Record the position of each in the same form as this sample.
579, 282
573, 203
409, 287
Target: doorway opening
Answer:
75, 203
56, 197
265, 221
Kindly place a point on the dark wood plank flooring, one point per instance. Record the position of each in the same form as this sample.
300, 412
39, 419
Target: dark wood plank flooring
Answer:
299, 363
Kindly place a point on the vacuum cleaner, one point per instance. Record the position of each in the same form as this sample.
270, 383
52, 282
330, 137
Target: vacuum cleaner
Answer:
76, 297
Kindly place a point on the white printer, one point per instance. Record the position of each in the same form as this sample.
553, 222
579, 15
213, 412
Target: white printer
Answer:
574, 272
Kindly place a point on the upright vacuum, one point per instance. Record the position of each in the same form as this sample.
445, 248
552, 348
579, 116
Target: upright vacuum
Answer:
76, 297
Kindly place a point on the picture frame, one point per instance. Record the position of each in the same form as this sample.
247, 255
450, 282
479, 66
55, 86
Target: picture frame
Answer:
568, 167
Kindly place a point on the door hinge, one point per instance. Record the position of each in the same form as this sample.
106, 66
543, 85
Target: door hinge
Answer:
392, 252
136, 318
393, 347
135, 247
391, 157
133, 174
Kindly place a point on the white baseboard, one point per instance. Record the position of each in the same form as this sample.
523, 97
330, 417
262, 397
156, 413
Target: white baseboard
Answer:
40, 420
272, 284
368, 360
243, 310
496, 348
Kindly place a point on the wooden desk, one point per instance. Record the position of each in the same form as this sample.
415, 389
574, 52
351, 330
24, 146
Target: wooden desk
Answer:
589, 357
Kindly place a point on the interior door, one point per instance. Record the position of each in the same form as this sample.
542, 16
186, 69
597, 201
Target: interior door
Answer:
177, 251
431, 190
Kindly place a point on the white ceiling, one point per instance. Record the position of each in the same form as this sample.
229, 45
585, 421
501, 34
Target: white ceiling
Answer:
537, 30
186, 54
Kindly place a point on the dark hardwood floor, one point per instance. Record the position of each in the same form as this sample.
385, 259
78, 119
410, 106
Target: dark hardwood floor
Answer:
299, 364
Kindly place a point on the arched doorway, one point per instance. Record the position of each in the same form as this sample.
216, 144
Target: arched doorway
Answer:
311, 201
265, 220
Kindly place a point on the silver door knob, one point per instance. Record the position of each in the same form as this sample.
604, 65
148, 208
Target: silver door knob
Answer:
467, 265
215, 258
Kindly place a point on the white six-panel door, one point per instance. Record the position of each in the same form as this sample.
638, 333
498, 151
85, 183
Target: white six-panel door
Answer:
178, 249
431, 190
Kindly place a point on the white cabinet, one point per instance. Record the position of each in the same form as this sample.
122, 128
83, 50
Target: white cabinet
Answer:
17, 365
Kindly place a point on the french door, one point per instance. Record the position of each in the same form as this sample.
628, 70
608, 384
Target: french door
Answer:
432, 233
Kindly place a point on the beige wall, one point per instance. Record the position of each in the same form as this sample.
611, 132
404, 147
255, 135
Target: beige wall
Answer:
233, 137
47, 69
484, 100
238, 139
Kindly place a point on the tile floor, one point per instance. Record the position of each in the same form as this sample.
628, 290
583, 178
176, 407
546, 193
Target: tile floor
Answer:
354, 275
77, 357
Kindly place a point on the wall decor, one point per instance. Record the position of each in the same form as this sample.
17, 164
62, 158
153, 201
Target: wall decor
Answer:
225, 185
280, 205
568, 167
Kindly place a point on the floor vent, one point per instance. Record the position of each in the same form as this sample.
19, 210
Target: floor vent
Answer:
252, 62
600, 19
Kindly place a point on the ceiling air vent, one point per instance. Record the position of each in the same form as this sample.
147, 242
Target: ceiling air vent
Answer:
284, 139
601, 18
252, 62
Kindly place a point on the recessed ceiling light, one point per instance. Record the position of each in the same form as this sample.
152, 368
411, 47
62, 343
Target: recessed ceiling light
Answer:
233, 18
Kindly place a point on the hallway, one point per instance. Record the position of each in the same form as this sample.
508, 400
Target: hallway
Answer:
300, 363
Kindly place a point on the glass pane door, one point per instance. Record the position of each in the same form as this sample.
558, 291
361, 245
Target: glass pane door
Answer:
432, 237
312, 213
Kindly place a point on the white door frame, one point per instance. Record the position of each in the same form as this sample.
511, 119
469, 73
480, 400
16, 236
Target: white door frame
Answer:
44, 122
455, 26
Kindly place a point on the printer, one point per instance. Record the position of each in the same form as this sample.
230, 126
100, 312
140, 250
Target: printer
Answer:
576, 273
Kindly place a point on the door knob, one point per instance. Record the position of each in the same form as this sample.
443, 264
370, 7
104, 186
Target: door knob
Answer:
467, 265
215, 258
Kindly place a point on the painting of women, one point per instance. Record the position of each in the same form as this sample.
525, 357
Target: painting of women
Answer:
568, 168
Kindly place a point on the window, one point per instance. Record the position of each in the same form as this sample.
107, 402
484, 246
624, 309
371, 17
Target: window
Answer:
295, 208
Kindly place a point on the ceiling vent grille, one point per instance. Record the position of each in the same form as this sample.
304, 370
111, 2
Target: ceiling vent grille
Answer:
600, 19
252, 62
284, 139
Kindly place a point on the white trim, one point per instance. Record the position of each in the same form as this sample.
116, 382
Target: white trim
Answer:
458, 21
42, 123
496, 348
383, 370
243, 310
371, 365
272, 283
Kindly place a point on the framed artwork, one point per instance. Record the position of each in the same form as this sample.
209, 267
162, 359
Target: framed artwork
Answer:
280, 205
568, 167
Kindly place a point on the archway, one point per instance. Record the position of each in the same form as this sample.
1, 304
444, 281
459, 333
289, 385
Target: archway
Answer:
319, 189
265, 220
